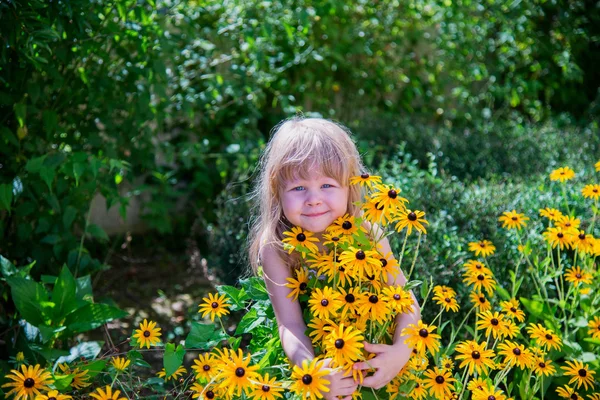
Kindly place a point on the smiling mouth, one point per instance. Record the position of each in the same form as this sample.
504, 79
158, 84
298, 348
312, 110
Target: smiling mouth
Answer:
315, 215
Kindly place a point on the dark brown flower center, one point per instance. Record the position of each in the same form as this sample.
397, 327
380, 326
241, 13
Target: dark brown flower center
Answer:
482, 299
52, 398
480, 277
335, 239
578, 276
266, 388
29, 383
491, 397
514, 218
339, 343
210, 394
239, 372
324, 302
582, 236
347, 225
513, 309
548, 336
574, 396
542, 365
146, 333
582, 372
350, 298
476, 355
206, 367
439, 379
214, 304
307, 379
303, 286
360, 255
301, 237
396, 296
447, 300
373, 299
478, 266
559, 235
365, 176
383, 262
379, 206
412, 216
423, 333
494, 321
516, 351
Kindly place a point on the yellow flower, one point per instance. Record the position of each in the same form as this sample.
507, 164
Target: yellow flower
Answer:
581, 374
320, 329
299, 285
421, 338
80, 377
557, 237
483, 247
120, 363
53, 395
373, 307
569, 224
387, 196
345, 225
266, 388
106, 394
489, 393
300, 240
562, 174
543, 367
31, 380
513, 220
360, 262
309, 380
20, 356
325, 303
578, 276
439, 382
237, 375
344, 345
398, 299
594, 326
411, 219
591, 191
515, 354
175, 375
215, 305
350, 301
597, 165
582, 242
480, 281
148, 334
480, 302
205, 366
475, 357
375, 213
567, 392
551, 213
448, 303
476, 267
492, 323
365, 180
511, 309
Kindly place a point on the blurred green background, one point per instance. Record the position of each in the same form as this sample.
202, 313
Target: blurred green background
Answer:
160, 110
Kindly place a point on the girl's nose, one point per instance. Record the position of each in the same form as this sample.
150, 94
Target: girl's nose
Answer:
313, 199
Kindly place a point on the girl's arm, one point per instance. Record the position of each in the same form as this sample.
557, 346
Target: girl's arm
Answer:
390, 359
295, 343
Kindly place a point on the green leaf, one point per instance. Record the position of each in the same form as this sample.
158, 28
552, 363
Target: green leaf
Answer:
47, 175
50, 119
8, 137
255, 287
173, 358
94, 368
97, 232
503, 293
413, 284
69, 216
203, 336
534, 307
64, 294
62, 382
78, 170
21, 113
28, 297
92, 316
238, 297
6, 267
84, 288
48, 353
137, 359
250, 321
34, 165
6, 196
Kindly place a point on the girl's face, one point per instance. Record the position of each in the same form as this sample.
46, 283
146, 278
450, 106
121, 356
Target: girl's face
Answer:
314, 203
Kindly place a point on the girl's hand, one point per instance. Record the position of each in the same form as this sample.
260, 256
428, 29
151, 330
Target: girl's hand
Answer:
388, 362
339, 385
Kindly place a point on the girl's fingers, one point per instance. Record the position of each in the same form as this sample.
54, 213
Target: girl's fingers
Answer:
373, 363
374, 348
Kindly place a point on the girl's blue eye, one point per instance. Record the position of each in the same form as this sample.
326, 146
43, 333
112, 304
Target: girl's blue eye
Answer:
327, 185
298, 188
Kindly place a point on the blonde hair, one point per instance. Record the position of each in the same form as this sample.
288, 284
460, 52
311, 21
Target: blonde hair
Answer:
297, 146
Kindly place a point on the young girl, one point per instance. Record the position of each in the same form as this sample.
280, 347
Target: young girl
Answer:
304, 181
